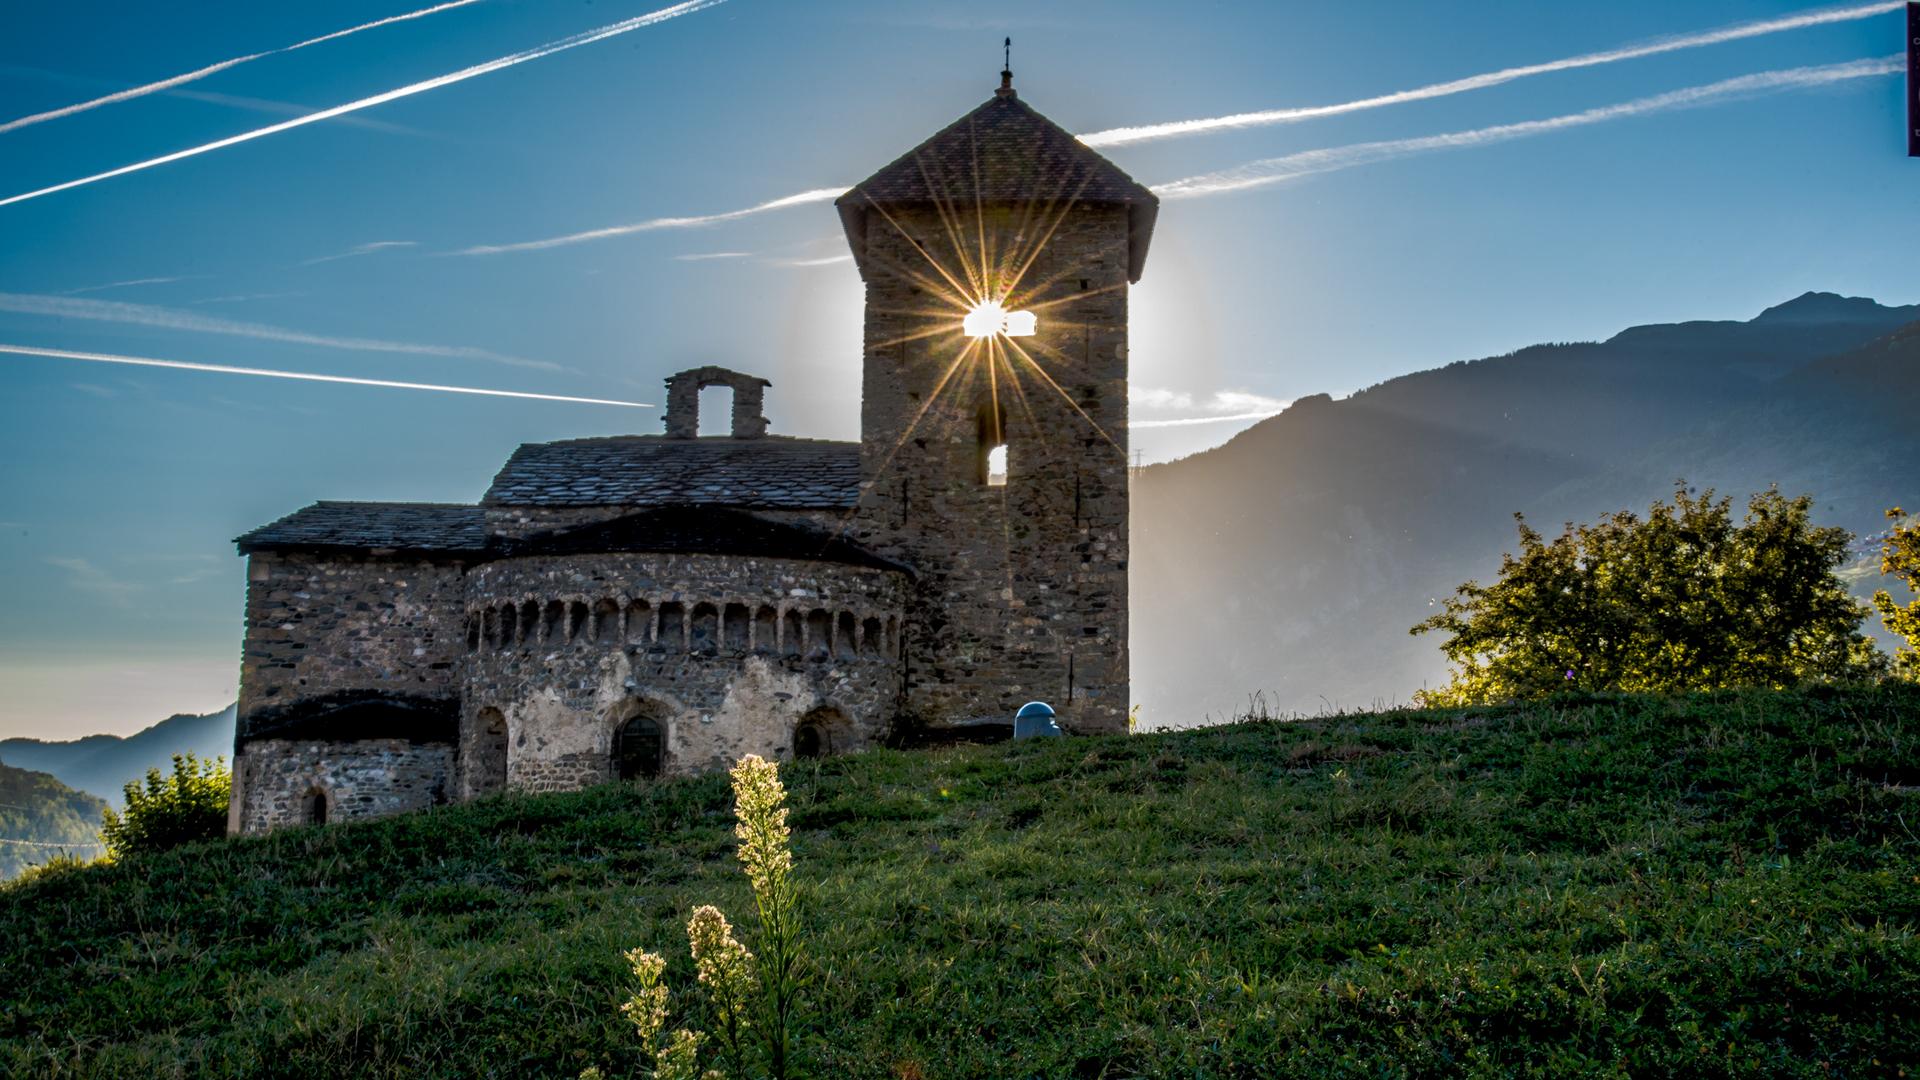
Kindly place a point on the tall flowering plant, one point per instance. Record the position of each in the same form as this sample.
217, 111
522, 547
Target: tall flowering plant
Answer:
751, 997
765, 853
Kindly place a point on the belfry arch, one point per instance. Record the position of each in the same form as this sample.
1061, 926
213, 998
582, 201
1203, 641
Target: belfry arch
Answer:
683, 401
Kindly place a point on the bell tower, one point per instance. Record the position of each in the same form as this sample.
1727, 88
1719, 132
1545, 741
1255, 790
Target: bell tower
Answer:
997, 256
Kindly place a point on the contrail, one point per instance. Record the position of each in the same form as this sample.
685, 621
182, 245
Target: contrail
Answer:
1121, 136
362, 249
1276, 170
212, 69
114, 311
235, 298
817, 195
129, 284
209, 97
577, 40
222, 369
1737, 32
829, 260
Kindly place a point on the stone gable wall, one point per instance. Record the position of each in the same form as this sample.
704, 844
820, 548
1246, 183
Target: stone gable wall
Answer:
319, 625
1023, 587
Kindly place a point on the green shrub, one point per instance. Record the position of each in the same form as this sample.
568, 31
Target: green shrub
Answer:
170, 810
1683, 600
1900, 556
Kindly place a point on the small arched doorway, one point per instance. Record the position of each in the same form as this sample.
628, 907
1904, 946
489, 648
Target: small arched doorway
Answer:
640, 743
313, 808
809, 741
822, 731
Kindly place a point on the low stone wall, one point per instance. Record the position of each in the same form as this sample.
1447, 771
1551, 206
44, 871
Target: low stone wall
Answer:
277, 781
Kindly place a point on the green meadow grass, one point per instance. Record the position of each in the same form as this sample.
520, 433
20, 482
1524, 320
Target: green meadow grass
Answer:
1702, 886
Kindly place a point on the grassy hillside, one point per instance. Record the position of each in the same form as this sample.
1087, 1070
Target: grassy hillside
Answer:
1724, 885
40, 817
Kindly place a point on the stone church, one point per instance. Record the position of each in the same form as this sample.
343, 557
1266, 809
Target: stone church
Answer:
633, 605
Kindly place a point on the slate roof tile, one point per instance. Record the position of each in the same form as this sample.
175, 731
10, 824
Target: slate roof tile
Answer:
773, 473
423, 527
1003, 151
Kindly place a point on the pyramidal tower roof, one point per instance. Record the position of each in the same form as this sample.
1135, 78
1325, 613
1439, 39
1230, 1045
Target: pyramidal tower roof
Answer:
1004, 152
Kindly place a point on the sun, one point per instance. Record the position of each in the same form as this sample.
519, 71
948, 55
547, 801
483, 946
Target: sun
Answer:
989, 317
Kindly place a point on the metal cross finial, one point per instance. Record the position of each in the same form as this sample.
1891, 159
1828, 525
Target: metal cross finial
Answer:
1007, 65
1006, 72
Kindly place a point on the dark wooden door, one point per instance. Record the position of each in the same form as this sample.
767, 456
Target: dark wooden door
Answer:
639, 749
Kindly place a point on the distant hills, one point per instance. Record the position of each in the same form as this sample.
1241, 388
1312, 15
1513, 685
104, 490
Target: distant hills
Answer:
1293, 559
40, 817
102, 764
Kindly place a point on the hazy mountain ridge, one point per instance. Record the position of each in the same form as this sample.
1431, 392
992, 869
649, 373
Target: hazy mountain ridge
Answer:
40, 817
1294, 558
102, 764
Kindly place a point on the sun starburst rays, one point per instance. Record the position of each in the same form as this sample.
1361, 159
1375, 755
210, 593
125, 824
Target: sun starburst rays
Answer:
959, 256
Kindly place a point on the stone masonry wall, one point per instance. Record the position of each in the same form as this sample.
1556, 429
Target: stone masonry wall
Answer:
361, 779
731, 653
323, 625
1024, 586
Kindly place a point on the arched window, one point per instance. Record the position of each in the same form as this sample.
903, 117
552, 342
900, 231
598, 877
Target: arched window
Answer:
314, 807
766, 629
639, 621
736, 622
990, 463
809, 741
819, 634
488, 769
577, 621
673, 626
509, 626
997, 465
703, 633
794, 636
640, 744
529, 623
606, 622
556, 623
870, 638
846, 637
822, 731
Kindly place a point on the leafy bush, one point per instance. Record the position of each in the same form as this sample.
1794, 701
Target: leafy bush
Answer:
171, 810
1900, 555
1683, 600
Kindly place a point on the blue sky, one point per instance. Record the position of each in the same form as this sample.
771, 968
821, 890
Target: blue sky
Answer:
331, 247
